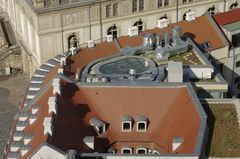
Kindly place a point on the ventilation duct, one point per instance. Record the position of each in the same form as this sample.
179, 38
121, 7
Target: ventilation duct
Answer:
158, 40
176, 34
148, 42
167, 38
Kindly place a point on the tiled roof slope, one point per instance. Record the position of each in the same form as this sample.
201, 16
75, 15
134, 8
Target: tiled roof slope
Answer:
168, 110
228, 17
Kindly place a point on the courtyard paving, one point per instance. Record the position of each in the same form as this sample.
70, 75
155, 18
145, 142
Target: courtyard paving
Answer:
12, 91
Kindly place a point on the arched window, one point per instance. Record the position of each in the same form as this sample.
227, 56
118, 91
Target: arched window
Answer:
72, 41
126, 123
234, 5
141, 123
139, 24
112, 31
211, 10
164, 17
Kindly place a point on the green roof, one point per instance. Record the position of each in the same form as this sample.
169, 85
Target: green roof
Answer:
232, 26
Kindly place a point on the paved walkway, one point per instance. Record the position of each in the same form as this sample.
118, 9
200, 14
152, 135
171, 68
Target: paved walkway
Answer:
12, 90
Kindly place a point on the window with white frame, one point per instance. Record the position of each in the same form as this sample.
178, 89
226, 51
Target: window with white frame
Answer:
126, 123
141, 150
141, 123
126, 150
98, 125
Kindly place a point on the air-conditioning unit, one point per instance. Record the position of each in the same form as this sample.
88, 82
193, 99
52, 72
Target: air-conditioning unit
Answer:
109, 38
90, 44
133, 31
190, 16
163, 23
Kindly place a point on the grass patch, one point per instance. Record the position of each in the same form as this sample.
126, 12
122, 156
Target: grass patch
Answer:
224, 136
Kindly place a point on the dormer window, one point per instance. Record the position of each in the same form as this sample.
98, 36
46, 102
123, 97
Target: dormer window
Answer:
141, 123
126, 123
98, 125
141, 150
127, 150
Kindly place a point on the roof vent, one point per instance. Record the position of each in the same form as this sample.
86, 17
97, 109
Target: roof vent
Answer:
71, 154
163, 23
190, 16
15, 146
158, 40
109, 38
27, 138
22, 115
167, 38
21, 125
47, 123
63, 61
13, 155
98, 125
32, 118
90, 44
133, 31
18, 135
25, 149
52, 104
176, 34
56, 86
89, 141
177, 141
35, 108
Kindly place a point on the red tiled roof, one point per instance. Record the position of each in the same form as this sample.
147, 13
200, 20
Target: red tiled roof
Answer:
228, 17
200, 30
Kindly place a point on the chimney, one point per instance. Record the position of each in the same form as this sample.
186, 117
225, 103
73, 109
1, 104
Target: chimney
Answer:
63, 61
90, 44
47, 124
60, 71
52, 105
190, 16
109, 38
56, 86
163, 23
133, 31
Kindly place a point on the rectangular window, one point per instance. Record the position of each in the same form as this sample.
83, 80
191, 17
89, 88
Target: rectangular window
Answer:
236, 40
160, 3
134, 6
108, 11
115, 9
141, 5
190, 1
166, 2
237, 64
184, 1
